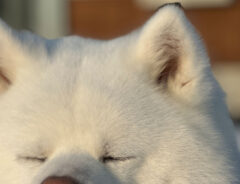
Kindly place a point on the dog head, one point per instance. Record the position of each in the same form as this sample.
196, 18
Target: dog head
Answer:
142, 108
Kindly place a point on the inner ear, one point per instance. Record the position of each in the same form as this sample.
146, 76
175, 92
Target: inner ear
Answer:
169, 70
168, 52
4, 78
5, 82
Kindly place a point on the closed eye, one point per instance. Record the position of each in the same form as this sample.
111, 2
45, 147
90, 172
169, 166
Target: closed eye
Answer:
33, 159
106, 159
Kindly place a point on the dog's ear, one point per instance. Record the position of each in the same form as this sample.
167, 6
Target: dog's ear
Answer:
171, 52
13, 54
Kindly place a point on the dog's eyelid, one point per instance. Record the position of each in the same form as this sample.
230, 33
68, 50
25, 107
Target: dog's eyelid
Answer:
108, 158
33, 158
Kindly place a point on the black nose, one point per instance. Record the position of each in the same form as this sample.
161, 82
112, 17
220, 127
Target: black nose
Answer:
59, 180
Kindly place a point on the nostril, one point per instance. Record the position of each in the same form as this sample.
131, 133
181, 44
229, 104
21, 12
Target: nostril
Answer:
59, 180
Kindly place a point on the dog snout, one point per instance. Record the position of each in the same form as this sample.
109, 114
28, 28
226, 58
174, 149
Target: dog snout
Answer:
59, 180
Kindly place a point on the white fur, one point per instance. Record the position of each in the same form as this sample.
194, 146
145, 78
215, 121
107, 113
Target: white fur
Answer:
75, 100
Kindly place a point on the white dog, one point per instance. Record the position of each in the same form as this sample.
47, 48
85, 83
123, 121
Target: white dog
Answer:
140, 109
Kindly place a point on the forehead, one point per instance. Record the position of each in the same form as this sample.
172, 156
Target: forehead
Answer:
78, 61
76, 46
76, 69
83, 74
90, 59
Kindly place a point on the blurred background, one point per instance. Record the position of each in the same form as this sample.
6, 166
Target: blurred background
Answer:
218, 21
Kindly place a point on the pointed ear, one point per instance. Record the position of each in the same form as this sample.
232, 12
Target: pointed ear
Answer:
12, 56
171, 52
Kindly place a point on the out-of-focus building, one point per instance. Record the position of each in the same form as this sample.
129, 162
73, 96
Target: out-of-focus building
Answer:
48, 18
